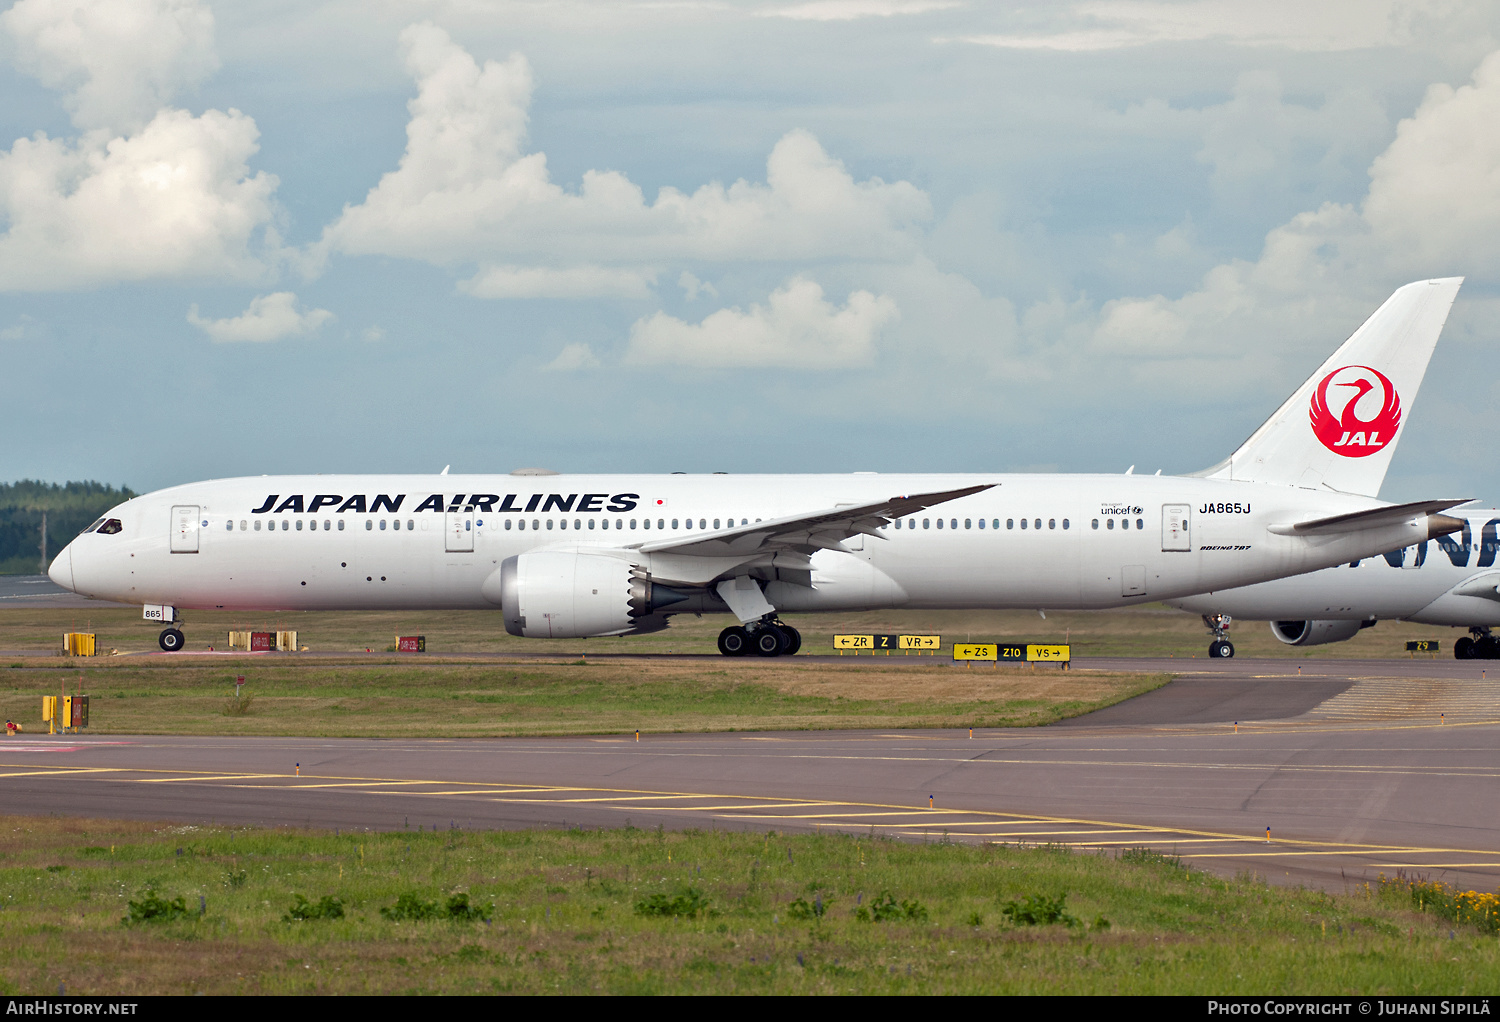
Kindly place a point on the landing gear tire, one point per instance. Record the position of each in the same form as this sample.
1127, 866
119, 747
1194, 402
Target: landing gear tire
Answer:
769, 641
1221, 649
793, 640
734, 641
170, 640
1463, 649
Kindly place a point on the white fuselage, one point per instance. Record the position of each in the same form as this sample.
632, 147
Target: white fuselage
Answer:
1449, 581
1056, 541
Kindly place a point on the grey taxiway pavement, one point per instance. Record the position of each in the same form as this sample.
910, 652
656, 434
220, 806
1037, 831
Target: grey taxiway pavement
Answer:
1356, 767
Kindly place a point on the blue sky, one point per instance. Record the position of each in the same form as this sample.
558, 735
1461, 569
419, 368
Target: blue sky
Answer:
895, 235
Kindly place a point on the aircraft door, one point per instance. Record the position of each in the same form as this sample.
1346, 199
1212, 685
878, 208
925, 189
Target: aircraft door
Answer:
185, 529
1175, 534
460, 532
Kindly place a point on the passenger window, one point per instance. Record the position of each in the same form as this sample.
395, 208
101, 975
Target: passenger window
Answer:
578, 524
410, 525
1109, 523
1140, 523
674, 523
257, 525
1023, 523
229, 526
981, 523
341, 525
396, 524
1065, 524
1010, 523
660, 524
369, 525
940, 523
243, 523
927, 523
549, 524
591, 524
898, 523
1052, 523
285, 525
1124, 523
632, 523
702, 523
645, 523
1096, 523
953, 522
1038, 523
561, 524
716, 523
382, 525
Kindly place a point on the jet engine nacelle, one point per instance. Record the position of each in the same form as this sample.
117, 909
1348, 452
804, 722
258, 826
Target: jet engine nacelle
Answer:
1316, 633
570, 594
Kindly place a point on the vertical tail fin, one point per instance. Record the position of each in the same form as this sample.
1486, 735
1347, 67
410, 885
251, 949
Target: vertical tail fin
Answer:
1339, 430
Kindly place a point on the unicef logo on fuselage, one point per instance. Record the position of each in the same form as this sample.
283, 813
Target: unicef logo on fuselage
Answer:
1355, 411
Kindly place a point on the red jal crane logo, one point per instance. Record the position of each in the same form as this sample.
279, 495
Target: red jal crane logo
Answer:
1336, 416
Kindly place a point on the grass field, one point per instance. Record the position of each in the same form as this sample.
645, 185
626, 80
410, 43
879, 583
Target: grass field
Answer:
630, 911
429, 697
1139, 631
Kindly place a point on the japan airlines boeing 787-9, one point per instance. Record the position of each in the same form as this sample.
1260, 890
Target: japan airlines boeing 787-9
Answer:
592, 555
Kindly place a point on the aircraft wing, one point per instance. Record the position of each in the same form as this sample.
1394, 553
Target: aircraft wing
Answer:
1376, 518
805, 533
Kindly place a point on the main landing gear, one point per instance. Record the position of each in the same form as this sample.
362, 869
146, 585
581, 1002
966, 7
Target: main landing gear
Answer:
767, 637
1221, 648
1478, 645
170, 640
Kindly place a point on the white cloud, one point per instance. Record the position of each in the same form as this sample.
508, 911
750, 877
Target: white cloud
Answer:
570, 282
1432, 209
464, 191
848, 10
1292, 24
573, 358
146, 192
119, 61
692, 287
175, 200
797, 328
269, 318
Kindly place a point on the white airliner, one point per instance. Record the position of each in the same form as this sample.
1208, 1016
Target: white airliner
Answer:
594, 555
1454, 582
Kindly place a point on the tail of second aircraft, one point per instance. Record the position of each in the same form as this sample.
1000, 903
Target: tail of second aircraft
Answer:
1339, 430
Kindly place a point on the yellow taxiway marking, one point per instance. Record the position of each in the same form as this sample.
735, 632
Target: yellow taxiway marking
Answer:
1374, 851
861, 810
216, 777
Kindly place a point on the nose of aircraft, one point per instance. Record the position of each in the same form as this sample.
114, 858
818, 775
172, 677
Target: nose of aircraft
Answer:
61, 570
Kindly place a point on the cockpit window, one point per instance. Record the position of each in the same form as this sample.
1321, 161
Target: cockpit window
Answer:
110, 527
91, 528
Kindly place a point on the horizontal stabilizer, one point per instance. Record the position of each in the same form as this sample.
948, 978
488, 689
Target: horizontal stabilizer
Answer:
1378, 518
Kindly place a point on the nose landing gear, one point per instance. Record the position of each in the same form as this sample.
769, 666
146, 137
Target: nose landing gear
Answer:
170, 640
1218, 624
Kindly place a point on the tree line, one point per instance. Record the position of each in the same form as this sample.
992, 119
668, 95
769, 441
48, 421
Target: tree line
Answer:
69, 507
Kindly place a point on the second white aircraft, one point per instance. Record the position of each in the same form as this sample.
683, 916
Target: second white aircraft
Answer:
595, 555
